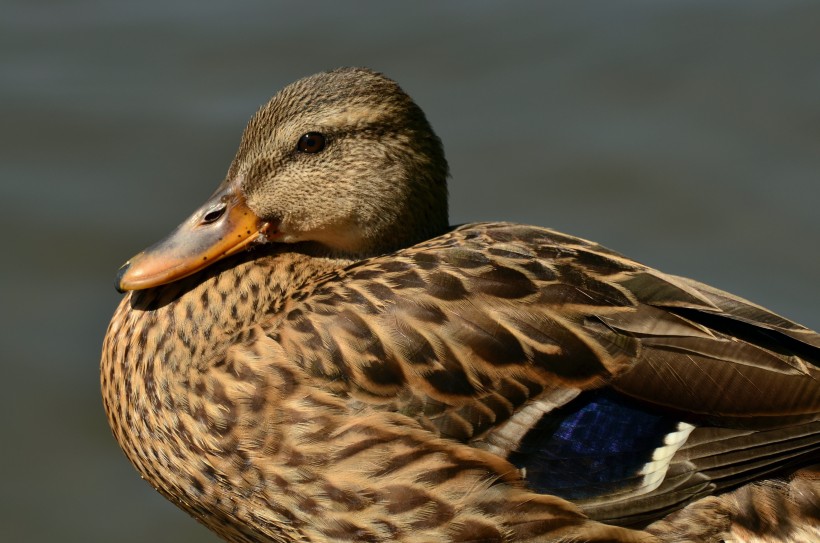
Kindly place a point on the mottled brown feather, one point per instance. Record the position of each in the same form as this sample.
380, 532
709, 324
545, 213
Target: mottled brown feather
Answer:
367, 380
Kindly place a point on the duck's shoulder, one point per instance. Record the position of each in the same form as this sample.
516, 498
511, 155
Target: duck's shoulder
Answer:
445, 315
509, 338
500, 241
462, 330
494, 294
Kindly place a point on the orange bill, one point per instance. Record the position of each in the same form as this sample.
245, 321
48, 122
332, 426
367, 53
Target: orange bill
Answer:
221, 227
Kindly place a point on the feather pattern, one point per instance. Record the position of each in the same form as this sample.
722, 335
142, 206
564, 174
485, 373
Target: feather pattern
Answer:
490, 382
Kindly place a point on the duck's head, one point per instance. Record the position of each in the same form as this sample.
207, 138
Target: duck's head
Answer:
344, 160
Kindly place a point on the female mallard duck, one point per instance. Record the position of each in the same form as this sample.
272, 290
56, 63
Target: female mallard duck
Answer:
365, 372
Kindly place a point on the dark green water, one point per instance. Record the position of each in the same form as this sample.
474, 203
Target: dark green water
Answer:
684, 134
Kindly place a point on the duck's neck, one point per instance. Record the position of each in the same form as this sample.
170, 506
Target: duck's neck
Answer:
162, 341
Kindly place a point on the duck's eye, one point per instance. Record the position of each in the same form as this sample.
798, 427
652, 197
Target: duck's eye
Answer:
312, 142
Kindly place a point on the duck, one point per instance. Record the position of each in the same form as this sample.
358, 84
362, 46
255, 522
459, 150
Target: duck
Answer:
317, 355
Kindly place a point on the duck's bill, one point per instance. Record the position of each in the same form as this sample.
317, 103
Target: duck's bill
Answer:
221, 227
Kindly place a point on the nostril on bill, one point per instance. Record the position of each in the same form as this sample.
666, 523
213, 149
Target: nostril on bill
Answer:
214, 214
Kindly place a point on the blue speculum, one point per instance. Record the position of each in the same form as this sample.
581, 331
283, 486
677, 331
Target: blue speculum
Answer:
597, 444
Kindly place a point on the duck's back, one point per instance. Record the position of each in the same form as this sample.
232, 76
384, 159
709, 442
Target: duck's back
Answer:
626, 390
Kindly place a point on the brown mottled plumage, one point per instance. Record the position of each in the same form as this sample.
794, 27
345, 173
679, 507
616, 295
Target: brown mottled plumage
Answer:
373, 375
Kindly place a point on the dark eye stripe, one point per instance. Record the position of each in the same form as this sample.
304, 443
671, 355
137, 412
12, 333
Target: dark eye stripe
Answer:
312, 142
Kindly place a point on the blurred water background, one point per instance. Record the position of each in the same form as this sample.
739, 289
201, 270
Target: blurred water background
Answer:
683, 134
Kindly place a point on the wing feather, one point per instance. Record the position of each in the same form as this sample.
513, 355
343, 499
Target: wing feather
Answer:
480, 333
